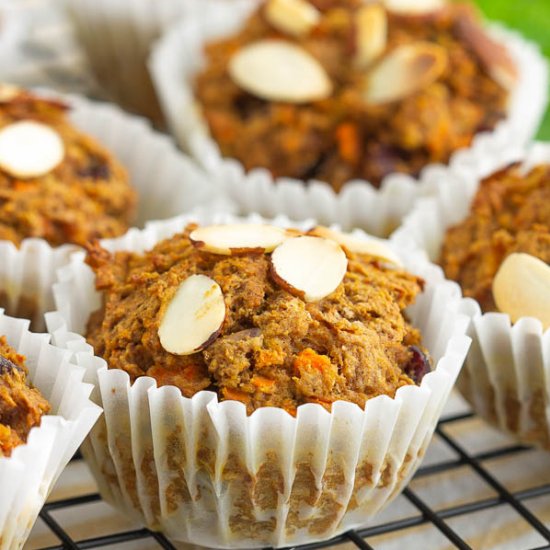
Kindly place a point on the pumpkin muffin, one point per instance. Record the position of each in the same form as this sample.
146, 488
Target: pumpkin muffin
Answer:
336, 90
260, 315
21, 405
509, 215
56, 183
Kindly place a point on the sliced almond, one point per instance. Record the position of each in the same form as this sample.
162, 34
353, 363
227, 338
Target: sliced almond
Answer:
371, 245
521, 288
309, 267
404, 71
414, 7
30, 149
494, 56
372, 34
294, 17
238, 238
8, 92
277, 70
193, 317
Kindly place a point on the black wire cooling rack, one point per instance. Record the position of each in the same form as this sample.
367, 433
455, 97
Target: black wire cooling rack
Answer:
423, 512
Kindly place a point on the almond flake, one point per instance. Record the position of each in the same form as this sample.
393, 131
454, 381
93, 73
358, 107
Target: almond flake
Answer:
372, 34
30, 149
309, 267
194, 316
294, 17
404, 71
277, 70
414, 7
369, 245
237, 238
494, 56
521, 288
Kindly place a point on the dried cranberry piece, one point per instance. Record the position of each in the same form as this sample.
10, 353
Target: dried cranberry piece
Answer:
417, 366
96, 169
6, 366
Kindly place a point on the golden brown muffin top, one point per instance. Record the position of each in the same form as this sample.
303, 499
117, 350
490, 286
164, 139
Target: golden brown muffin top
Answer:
86, 195
509, 214
21, 405
370, 120
279, 340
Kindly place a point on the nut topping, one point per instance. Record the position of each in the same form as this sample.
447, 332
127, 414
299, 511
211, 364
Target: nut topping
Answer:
372, 34
414, 7
30, 149
309, 267
494, 56
521, 288
234, 239
277, 70
294, 17
404, 71
371, 245
194, 316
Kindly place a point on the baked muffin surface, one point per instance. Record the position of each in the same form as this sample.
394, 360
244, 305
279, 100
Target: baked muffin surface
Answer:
274, 348
85, 196
21, 405
510, 213
343, 137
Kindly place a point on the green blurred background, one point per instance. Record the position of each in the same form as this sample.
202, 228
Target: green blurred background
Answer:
532, 19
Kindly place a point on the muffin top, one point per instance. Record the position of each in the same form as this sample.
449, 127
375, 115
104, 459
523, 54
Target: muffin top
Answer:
261, 315
509, 221
56, 183
335, 89
21, 405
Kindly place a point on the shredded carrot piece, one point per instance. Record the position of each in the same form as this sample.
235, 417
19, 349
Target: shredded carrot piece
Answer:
264, 384
308, 359
349, 147
236, 395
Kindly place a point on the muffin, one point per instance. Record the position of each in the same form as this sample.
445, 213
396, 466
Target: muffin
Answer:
510, 215
72, 189
345, 97
261, 385
45, 414
56, 183
21, 405
495, 242
269, 345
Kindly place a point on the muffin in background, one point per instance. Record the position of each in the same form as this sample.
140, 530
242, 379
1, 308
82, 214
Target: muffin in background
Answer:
493, 238
228, 310
45, 414
375, 91
514, 114
56, 182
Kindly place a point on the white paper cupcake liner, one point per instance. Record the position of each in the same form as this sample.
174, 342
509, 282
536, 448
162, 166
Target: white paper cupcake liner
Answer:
28, 475
506, 377
168, 183
204, 472
179, 56
116, 37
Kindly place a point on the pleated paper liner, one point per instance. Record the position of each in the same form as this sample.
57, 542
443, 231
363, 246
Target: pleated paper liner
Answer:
204, 472
179, 56
28, 475
168, 184
506, 375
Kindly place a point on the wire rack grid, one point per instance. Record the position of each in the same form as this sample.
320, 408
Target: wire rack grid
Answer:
422, 513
